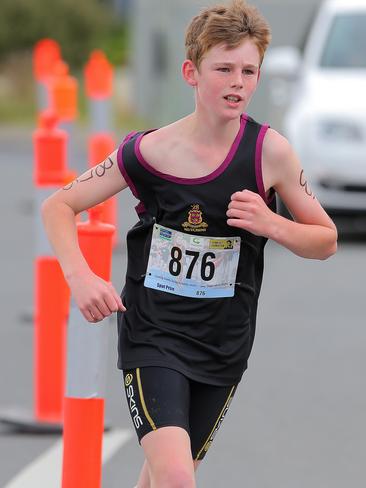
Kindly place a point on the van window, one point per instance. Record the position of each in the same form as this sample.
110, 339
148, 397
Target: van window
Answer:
345, 46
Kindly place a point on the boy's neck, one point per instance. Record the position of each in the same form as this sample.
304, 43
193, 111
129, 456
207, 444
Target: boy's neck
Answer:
210, 131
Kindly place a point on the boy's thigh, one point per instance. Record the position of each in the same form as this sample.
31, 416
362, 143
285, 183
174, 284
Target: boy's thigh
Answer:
157, 397
209, 405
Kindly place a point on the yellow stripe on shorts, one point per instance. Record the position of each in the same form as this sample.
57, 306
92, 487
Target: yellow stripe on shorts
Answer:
217, 421
147, 415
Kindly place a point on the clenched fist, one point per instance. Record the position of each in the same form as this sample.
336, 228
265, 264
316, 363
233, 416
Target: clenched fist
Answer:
95, 297
247, 210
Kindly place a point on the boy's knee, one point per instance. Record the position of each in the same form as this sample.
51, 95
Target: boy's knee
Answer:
174, 477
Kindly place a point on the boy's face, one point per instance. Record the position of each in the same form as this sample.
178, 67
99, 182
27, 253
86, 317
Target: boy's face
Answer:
227, 79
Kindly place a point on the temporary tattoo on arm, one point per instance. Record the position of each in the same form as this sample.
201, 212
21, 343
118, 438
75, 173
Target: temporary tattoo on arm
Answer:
102, 167
96, 171
86, 177
69, 185
303, 182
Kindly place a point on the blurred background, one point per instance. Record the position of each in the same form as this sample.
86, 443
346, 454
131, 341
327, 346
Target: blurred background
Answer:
143, 39
298, 419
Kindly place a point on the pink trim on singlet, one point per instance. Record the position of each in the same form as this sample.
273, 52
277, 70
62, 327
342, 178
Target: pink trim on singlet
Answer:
140, 207
258, 164
202, 179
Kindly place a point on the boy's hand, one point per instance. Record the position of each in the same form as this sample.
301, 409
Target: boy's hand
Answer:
95, 297
248, 211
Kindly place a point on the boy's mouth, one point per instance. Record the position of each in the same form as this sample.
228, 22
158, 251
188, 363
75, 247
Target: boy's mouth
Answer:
233, 98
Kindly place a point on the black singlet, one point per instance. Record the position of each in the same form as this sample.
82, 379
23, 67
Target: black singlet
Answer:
207, 339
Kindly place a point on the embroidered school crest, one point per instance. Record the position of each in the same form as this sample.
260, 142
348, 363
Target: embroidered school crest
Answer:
195, 221
195, 215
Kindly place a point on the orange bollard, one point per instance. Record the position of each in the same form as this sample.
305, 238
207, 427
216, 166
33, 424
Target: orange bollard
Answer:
46, 53
98, 80
50, 164
98, 75
83, 438
51, 291
63, 93
51, 296
52, 303
100, 147
86, 361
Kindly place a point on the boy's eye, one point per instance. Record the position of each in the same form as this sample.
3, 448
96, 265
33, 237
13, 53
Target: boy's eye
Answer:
223, 68
248, 72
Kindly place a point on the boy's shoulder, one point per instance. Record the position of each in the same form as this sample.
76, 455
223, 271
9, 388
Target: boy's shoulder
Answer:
276, 147
278, 158
157, 146
164, 139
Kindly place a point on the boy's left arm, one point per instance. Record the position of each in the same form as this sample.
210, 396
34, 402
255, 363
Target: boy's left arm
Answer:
312, 234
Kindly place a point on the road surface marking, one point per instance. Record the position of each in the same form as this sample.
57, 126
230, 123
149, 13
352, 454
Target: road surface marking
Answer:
46, 469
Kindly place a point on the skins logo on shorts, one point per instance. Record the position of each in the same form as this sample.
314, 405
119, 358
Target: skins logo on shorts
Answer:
195, 221
137, 420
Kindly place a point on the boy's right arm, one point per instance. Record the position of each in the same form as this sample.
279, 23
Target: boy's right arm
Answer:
95, 297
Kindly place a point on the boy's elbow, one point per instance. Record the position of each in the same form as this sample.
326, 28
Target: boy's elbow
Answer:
332, 247
330, 252
51, 205
45, 206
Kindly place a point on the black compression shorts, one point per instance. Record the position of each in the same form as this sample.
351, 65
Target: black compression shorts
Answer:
161, 397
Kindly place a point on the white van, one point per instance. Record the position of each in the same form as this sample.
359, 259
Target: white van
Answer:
326, 116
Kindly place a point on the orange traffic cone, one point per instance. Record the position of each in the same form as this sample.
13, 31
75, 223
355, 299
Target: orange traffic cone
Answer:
100, 146
46, 53
98, 75
51, 292
63, 95
86, 360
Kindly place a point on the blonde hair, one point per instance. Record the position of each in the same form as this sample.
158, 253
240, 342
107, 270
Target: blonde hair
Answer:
229, 25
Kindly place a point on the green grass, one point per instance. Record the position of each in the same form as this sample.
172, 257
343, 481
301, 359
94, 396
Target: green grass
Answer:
17, 90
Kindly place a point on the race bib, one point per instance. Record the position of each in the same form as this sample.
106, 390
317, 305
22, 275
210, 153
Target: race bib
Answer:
192, 266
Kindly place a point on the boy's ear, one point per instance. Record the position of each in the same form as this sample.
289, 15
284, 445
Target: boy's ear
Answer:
189, 72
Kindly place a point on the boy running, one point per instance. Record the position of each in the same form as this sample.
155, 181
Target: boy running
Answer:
206, 185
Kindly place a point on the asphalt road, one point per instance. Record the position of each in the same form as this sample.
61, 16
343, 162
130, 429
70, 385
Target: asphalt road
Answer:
298, 419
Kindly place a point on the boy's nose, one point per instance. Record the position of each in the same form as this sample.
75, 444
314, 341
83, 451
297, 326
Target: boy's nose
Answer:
237, 82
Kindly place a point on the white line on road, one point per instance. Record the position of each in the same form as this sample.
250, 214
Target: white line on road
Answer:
46, 469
